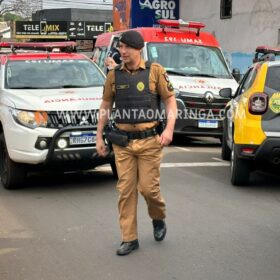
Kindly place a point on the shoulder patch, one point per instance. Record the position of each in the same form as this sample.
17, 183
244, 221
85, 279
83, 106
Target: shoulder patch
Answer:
166, 77
169, 84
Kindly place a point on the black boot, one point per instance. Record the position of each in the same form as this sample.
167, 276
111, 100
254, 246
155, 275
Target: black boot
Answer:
127, 247
159, 229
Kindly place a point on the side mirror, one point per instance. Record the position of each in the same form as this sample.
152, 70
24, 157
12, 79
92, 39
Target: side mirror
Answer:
236, 74
226, 92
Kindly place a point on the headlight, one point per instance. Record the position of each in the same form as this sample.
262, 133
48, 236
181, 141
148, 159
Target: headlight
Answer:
30, 119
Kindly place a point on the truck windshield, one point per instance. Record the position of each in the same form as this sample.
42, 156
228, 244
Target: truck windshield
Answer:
52, 73
189, 60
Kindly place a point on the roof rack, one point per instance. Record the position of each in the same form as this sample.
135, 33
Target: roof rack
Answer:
181, 24
68, 46
265, 53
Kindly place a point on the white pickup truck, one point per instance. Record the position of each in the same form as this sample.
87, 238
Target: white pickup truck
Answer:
48, 111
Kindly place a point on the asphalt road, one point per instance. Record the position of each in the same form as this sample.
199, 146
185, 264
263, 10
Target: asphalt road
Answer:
66, 228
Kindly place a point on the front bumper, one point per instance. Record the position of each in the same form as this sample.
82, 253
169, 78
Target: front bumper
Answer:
22, 145
82, 155
188, 122
191, 127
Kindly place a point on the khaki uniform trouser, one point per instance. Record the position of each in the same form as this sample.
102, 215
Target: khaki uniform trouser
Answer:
138, 167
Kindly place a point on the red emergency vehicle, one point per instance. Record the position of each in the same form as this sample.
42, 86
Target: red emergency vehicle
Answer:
196, 66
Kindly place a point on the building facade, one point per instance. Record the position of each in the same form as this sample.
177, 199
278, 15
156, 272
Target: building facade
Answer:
240, 26
71, 14
80, 25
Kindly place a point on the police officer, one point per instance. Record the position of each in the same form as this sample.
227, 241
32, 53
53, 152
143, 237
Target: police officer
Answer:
113, 59
136, 88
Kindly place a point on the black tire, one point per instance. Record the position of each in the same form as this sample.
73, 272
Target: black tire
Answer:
114, 170
12, 174
226, 152
240, 169
178, 139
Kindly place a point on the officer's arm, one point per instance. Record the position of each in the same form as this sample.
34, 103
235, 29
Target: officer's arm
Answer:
166, 91
171, 112
103, 117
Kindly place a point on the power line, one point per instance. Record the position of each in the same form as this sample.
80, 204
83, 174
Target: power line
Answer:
82, 1
97, 7
77, 3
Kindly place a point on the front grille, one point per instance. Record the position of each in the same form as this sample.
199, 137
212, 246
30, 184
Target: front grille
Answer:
197, 106
58, 119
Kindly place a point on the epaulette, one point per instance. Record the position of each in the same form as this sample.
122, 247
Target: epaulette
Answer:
118, 67
148, 64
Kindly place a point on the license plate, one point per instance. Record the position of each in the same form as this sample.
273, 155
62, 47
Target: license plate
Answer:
207, 124
82, 140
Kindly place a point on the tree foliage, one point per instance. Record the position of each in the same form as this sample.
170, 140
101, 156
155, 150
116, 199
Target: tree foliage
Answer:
11, 17
23, 8
5, 7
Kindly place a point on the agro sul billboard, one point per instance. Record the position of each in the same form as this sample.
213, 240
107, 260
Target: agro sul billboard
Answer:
143, 13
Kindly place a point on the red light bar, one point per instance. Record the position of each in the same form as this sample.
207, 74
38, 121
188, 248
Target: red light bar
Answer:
266, 49
265, 53
38, 45
181, 23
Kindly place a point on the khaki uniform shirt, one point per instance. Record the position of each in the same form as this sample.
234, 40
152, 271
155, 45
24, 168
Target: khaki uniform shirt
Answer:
158, 83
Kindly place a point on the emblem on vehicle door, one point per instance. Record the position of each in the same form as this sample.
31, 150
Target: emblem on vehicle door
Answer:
209, 97
84, 121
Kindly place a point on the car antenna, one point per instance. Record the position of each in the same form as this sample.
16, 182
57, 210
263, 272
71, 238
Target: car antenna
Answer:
48, 54
13, 49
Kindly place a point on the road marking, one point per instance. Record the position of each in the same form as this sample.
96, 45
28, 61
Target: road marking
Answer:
4, 251
183, 149
199, 150
218, 159
193, 164
178, 164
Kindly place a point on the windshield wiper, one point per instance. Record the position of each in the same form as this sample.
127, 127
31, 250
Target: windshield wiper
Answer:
24, 87
176, 73
202, 75
73, 86
190, 74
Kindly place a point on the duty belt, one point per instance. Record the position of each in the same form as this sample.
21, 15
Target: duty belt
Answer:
141, 134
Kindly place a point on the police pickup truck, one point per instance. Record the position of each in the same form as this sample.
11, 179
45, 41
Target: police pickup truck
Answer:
49, 103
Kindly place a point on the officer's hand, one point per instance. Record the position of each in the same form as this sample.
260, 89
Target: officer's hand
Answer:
166, 137
110, 63
101, 148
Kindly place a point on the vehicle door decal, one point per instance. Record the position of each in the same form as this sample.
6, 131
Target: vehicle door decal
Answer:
270, 120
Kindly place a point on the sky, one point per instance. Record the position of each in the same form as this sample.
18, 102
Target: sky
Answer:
82, 4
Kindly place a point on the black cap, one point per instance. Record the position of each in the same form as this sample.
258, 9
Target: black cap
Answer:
133, 39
